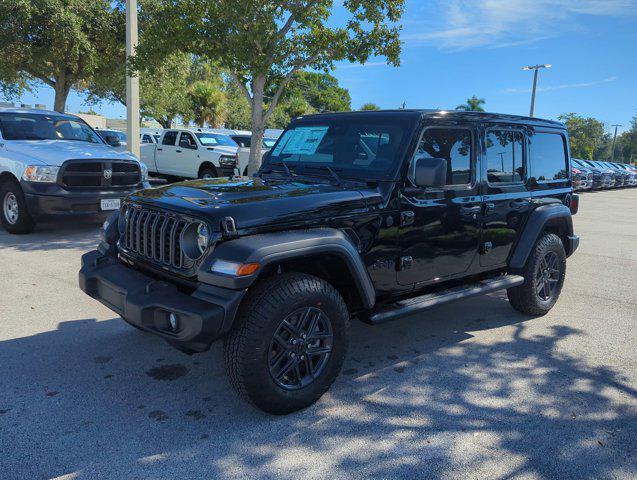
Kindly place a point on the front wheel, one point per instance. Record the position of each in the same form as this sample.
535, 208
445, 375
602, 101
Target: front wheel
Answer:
543, 274
208, 173
289, 343
15, 215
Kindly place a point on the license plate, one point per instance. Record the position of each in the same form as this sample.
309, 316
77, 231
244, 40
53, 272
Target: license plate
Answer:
109, 203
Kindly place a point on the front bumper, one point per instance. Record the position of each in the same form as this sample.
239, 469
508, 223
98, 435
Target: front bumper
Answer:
146, 303
51, 199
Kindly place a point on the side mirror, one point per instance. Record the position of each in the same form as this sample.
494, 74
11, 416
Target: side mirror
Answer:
430, 172
112, 140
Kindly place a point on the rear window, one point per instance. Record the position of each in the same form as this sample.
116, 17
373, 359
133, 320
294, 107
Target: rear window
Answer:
505, 156
169, 138
548, 156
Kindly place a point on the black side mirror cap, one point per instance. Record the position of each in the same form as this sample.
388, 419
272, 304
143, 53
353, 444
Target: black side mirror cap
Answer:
430, 172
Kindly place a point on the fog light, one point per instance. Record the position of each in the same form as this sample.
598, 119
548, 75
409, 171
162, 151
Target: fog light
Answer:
173, 321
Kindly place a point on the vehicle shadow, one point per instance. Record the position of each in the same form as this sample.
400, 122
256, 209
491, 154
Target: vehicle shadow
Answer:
55, 233
419, 398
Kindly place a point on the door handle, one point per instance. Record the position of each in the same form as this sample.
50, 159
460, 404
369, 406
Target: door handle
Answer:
178, 151
520, 204
470, 210
160, 149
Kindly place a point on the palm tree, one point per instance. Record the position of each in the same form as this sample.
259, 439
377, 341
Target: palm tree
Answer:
474, 104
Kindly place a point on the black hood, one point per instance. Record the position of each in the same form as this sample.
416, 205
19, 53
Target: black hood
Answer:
256, 202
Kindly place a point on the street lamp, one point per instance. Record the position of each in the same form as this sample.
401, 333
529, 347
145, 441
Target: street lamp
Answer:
535, 68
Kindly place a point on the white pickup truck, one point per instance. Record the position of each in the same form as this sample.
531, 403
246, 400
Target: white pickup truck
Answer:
244, 140
191, 153
54, 163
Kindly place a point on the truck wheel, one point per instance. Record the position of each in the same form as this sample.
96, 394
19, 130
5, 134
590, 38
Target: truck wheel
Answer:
15, 215
207, 173
543, 274
288, 344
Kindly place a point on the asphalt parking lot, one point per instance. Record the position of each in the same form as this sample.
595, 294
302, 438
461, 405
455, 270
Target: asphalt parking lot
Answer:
469, 390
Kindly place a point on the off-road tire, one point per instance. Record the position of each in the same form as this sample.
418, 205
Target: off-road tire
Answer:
25, 222
210, 171
247, 348
525, 298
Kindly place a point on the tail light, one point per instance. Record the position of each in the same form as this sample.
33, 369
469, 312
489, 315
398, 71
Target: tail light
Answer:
575, 170
572, 202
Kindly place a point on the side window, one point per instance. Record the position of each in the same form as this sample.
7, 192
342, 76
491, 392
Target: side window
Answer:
547, 154
186, 141
505, 156
455, 146
146, 139
169, 138
243, 142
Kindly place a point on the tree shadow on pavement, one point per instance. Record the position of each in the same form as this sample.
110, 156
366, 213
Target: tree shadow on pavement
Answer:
421, 398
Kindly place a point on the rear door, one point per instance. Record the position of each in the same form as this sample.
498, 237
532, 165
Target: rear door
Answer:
166, 153
507, 200
440, 228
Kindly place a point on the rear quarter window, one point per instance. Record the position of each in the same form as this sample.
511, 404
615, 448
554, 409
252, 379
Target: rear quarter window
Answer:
548, 157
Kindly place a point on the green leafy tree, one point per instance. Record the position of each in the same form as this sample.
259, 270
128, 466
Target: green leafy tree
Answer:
474, 104
60, 43
626, 149
262, 44
369, 106
320, 90
586, 135
238, 111
208, 104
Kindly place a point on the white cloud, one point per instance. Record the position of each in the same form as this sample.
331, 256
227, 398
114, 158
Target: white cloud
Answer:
561, 87
463, 24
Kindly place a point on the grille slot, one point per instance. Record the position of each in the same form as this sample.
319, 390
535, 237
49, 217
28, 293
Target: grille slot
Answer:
76, 174
154, 236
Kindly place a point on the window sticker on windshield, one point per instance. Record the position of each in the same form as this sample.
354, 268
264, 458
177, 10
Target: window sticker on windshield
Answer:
301, 141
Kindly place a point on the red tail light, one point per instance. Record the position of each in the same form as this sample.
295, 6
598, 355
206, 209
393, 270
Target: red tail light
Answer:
573, 203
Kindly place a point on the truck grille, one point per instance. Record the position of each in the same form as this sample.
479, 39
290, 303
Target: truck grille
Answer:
155, 236
106, 174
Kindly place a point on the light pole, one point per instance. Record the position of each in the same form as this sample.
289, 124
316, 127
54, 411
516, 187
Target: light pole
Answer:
535, 68
132, 82
612, 154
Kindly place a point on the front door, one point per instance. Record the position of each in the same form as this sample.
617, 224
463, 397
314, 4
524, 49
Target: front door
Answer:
440, 228
187, 161
507, 199
166, 152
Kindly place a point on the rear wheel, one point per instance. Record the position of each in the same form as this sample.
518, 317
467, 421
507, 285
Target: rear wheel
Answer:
289, 343
543, 274
15, 215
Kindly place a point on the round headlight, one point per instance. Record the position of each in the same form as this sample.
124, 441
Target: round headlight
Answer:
203, 237
195, 240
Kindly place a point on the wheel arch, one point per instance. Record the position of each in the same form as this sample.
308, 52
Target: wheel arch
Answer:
557, 219
206, 164
325, 253
8, 176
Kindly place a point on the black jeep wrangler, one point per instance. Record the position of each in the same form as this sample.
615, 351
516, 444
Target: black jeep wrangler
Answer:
367, 215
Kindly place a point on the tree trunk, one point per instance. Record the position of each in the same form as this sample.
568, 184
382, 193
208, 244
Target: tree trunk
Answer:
258, 124
165, 122
62, 90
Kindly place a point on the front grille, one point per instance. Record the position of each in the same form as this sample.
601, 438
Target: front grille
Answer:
106, 174
155, 236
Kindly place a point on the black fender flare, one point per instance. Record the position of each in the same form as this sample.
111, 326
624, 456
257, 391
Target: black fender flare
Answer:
540, 218
266, 249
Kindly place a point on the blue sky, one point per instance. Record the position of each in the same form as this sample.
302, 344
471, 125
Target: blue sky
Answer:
457, 48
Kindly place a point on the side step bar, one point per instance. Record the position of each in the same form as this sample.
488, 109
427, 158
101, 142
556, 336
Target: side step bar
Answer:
410, 306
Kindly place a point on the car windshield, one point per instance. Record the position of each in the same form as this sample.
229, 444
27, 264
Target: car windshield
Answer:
214, 139
269, 142
38, 126
364, 149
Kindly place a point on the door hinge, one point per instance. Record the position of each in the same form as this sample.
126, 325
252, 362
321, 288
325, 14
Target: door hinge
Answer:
405, 263
485, 247
407, 218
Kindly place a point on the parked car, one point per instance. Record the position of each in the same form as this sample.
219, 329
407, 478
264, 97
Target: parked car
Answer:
367, 215
114, 138
582, 179
632, 172
54, 163
602, 177
618, 177
244, 140
626, 177
191, 153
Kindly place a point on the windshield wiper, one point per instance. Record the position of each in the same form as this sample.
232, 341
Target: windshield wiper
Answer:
286, 169
335, 176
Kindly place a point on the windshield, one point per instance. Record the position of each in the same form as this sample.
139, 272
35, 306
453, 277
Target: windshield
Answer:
35, 126
269, 142
214, 139
361, 149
